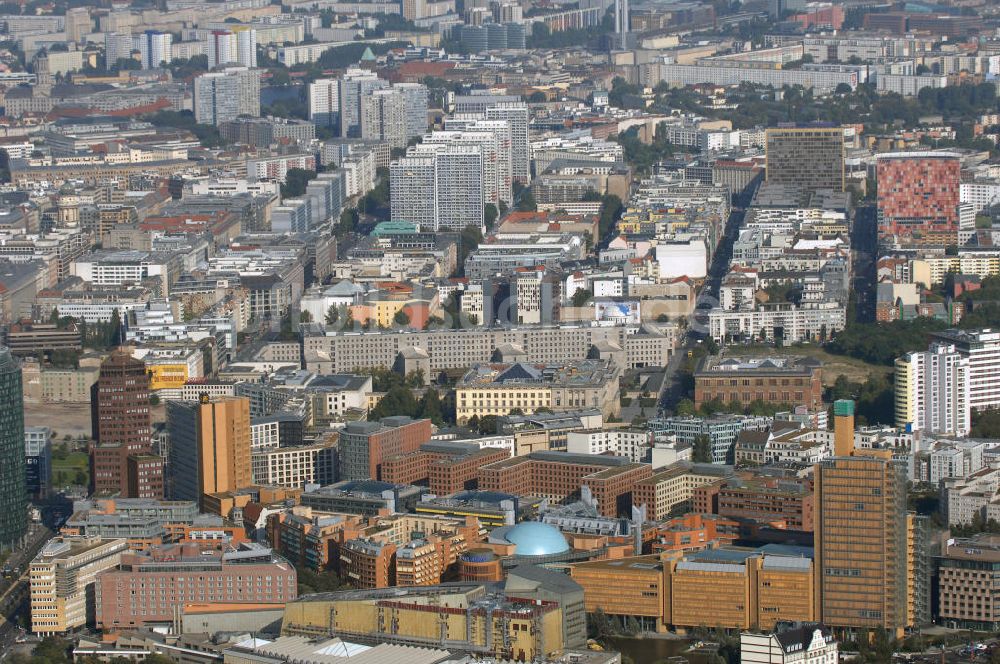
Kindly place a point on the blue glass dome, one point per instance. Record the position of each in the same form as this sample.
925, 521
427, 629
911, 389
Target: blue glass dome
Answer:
534, 538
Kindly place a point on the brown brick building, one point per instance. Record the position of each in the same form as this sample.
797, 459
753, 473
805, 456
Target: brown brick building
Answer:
446, 467
368, 563
364, 445
560, 475
122, 428
147, 588
777, 380
768, 499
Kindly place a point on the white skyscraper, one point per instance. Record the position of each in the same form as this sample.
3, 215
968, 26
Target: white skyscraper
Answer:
491, 151
932, 391
416, 98
982, 348
516, 113
383, 117
324, 102
246, 47
225, 95
622, 20
501, 130
222, 48
153, 47
116, 47
355, 85
413, 190
438, 186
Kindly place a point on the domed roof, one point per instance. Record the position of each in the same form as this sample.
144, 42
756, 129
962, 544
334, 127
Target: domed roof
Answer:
534, 538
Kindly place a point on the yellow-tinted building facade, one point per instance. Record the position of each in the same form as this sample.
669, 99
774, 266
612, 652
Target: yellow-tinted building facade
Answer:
463, 616
730, 588
224, 463
167, 376
861, 542
62, 576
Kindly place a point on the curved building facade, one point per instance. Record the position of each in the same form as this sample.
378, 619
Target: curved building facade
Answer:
13, 491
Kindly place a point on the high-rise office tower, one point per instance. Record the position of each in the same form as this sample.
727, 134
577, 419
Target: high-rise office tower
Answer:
807, 157
224, 444
843, 427
324, 102
154, 48
122, 428
182, 457
209, 447
220, 96
918, 198
354, 86
383, 117
861, 535
932, 391
13, 489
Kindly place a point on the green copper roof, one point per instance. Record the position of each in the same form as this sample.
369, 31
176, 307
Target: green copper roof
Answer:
394, 228
843, 407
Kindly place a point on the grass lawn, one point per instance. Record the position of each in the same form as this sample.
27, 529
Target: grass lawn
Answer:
65, 471
855, 370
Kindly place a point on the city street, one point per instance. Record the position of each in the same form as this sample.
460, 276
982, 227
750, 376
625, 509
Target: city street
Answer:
672, 389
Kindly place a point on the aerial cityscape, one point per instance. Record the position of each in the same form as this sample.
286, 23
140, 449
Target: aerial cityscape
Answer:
495, 331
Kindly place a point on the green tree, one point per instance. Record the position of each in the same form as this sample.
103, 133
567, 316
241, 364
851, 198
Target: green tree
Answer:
295, 183
52, 650
702, 451
468, 241
527, 202
348, 222
280, 77
430, 407
581, 296
157, 658
490, 215
488, 424
332, 315
114, 335
305, 317
414, 379
685, 408
611, 209
397, 401
598, 625
401, 318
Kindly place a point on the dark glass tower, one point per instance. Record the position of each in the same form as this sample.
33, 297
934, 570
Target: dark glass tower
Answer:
13, 492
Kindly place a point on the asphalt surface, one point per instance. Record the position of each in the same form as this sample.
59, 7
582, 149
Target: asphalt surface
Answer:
14, 592
697, 322
864, 254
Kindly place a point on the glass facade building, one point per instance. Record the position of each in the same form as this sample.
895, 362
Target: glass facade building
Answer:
13, 489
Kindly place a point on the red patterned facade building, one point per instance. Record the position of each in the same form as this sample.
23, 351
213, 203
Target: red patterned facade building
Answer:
918, 198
